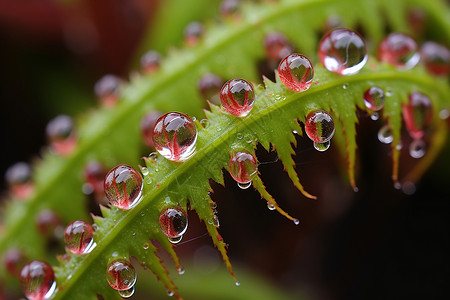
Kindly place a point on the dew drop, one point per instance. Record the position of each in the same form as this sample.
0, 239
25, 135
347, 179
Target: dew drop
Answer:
237, 97
296, 72
436, 58
193, 33
277, 46
374, 116
148, 180
409, 188
345, 86
239, 136
173, 222
397, 185
321, 147
108, 89
14, 260
48, 223
37, 280
180, 270
148, 122
121, 275
18, 177
94, 174
204, 123
243, 167
145, 171
271, 206
374, 98
150, 62
79, 237
385, 134
229, 8
417, 148
209, 86
319, 126
296, 221
153, 156
355, 189
175, 136
170, 293
61, 134
417, 114
343, 51
123, 187
127, 293
294, 131
399, 50
444, 114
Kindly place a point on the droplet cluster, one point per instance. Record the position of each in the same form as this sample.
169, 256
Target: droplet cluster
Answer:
123, 187
173, 222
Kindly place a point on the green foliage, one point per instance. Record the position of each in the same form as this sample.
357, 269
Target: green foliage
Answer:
231, 49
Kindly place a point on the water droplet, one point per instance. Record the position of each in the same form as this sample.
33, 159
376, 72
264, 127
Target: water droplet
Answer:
409, 188
147, 124
374, 98
294, 131
385, 134
417, 114
14, 260
237, 97
95, 227
193, 33
355, 189
204, 123
18, 177
127, 293
277, 46
170, 293
296, 72
239, 136
37, 280
444, 114
173, 223
345, 86
150, 62
296, 221
148, 180
61, 134
123, 187
271, 206
343, 51
108, 89
436, 58
215, 221
229, 8
209, 86
153, 156
180, 270
374, 116
243, 166
237, 283
321, 147
79, 238
399, 50
319, 126
244, 186
397, 185
121, 275
48, 223
146, 246
94, 173
417, 148
145, 171
175, 136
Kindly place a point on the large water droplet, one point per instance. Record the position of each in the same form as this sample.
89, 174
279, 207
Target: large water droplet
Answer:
385, 134
237, 97
417, 114
374, 98
150, 62
321, 147
193, 33
123, 187
61, 135
436, 58
147, 124
127, 293
79, 237
296, 72
319, 126
173, 223
417, 148
108, 89
277, 46
209, 86
18, 177
37, 280
243, 167
175, 136
121, 275
343, 51
399, 50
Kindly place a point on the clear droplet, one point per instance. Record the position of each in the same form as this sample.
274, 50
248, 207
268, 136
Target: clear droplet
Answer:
243, 167
417, 148
244, 186
319, 126
145, 171
175, 136
173, 223
436, 58
444, 114
148, 122
121, 275
175, 240
148, 180
277, 46
237, 283
61, 134
127, 293
397, 185
385, 134
48, 223
237, 97
146, 246
409, 188
343, 51
296, 221
180, 270
374, 98
14, 260
150, 62
170, 293
123, 187
79, 237
345, 86
399, 50
94, 173
204, 123
229, 8
18, 177
374, 116
193, 33
417, 114
108, 89
321, 147
209, 86
271, 206
296, 72
37, 280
